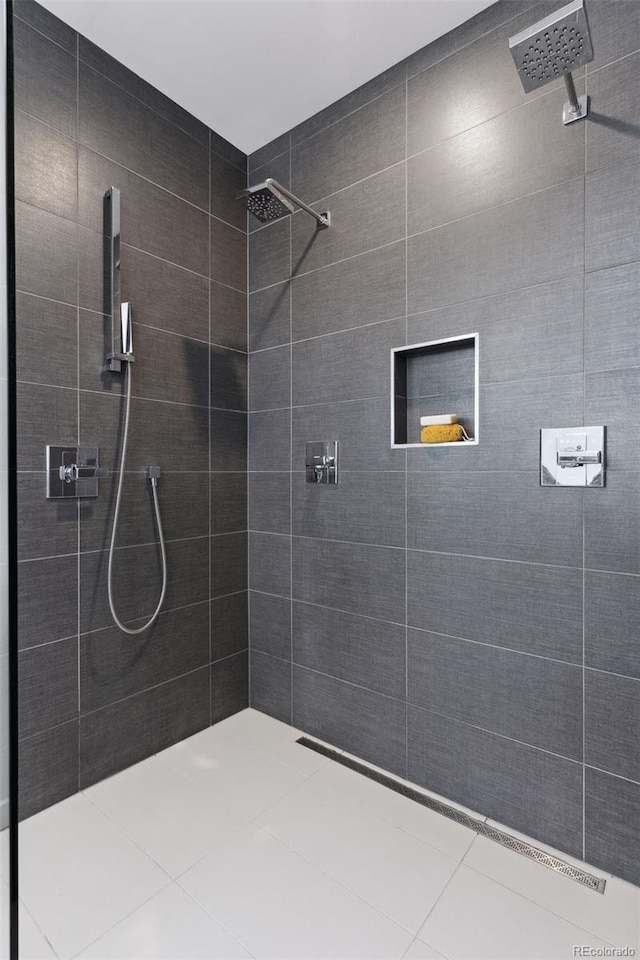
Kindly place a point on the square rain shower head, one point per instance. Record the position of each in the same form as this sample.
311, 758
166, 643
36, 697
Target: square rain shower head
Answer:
266, 202
552, 47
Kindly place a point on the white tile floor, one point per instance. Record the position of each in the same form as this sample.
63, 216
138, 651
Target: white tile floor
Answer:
240, 843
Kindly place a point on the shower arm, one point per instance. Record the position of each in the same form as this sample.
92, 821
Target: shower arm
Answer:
574, 104
324, 219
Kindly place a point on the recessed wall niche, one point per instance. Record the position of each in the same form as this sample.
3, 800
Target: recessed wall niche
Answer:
437, 377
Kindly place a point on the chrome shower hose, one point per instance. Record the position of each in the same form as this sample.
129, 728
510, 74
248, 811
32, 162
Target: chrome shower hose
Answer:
154, 486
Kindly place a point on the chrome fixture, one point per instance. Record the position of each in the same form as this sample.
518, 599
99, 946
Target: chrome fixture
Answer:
118, 312
572, 457
269, 201
122, 352
73, 472
553, 48
322, 461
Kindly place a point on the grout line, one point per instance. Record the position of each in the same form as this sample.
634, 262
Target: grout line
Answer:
291, 517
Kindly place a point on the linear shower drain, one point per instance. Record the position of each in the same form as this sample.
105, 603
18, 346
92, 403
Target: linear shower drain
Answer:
479, 826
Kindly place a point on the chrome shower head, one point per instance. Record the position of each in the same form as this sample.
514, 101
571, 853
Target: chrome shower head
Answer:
266, 202
271, 201
551, 49
553, 46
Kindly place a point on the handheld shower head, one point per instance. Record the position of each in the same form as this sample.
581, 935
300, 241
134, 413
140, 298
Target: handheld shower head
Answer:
552, 48
269, 201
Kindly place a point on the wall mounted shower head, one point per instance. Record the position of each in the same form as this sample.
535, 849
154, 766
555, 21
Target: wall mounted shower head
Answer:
551, 49
269, 201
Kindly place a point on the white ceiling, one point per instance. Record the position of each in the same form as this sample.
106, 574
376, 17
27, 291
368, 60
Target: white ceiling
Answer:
252, 69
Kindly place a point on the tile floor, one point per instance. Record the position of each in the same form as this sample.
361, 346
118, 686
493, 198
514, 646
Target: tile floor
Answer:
240, 843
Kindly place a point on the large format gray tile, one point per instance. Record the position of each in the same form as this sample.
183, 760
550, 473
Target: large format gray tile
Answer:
345, 366
228, 502
226, 180
357, 578
270, 625
44, 77
270, 563
269, 502
362, 508
120, 127
47, 600
525, 698
612, 524
114, 665
461, 176
361, 427
228, 316
48, 768
228, 440
228, 564
47, 23
612, 397
348, 104
229, 686
46, 254
229, 625
612, 827
48, 682
369, 653
612, 723
169, 434
275, 148
165, 296
130, 730
183, 498
359, 291
137, 581
115, 71
270, 316
364, 142
503, 515
525, 788
520, 243
271, 686
269, 440
152, 219
270, 254
612, 331
228, 261
46, 174
46, 341
364, 216
612, 609
535, 332
228, 378
613, 132
46, 415
612, 235
521, 606
616, 30
270, 378
366, 724
46, 528
463, 90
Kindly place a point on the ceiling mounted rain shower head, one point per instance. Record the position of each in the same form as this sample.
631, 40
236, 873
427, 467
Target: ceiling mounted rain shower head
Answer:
270, 201
553, 48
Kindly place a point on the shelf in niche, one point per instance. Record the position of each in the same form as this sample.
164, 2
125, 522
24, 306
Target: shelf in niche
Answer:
439, 376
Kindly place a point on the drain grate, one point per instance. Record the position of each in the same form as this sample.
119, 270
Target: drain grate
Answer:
479, 826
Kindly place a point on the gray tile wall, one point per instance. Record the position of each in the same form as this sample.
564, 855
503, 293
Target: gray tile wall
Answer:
92, 700
427, 613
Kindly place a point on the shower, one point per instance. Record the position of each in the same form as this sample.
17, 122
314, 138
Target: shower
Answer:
270, 201
121, 353
553, 48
